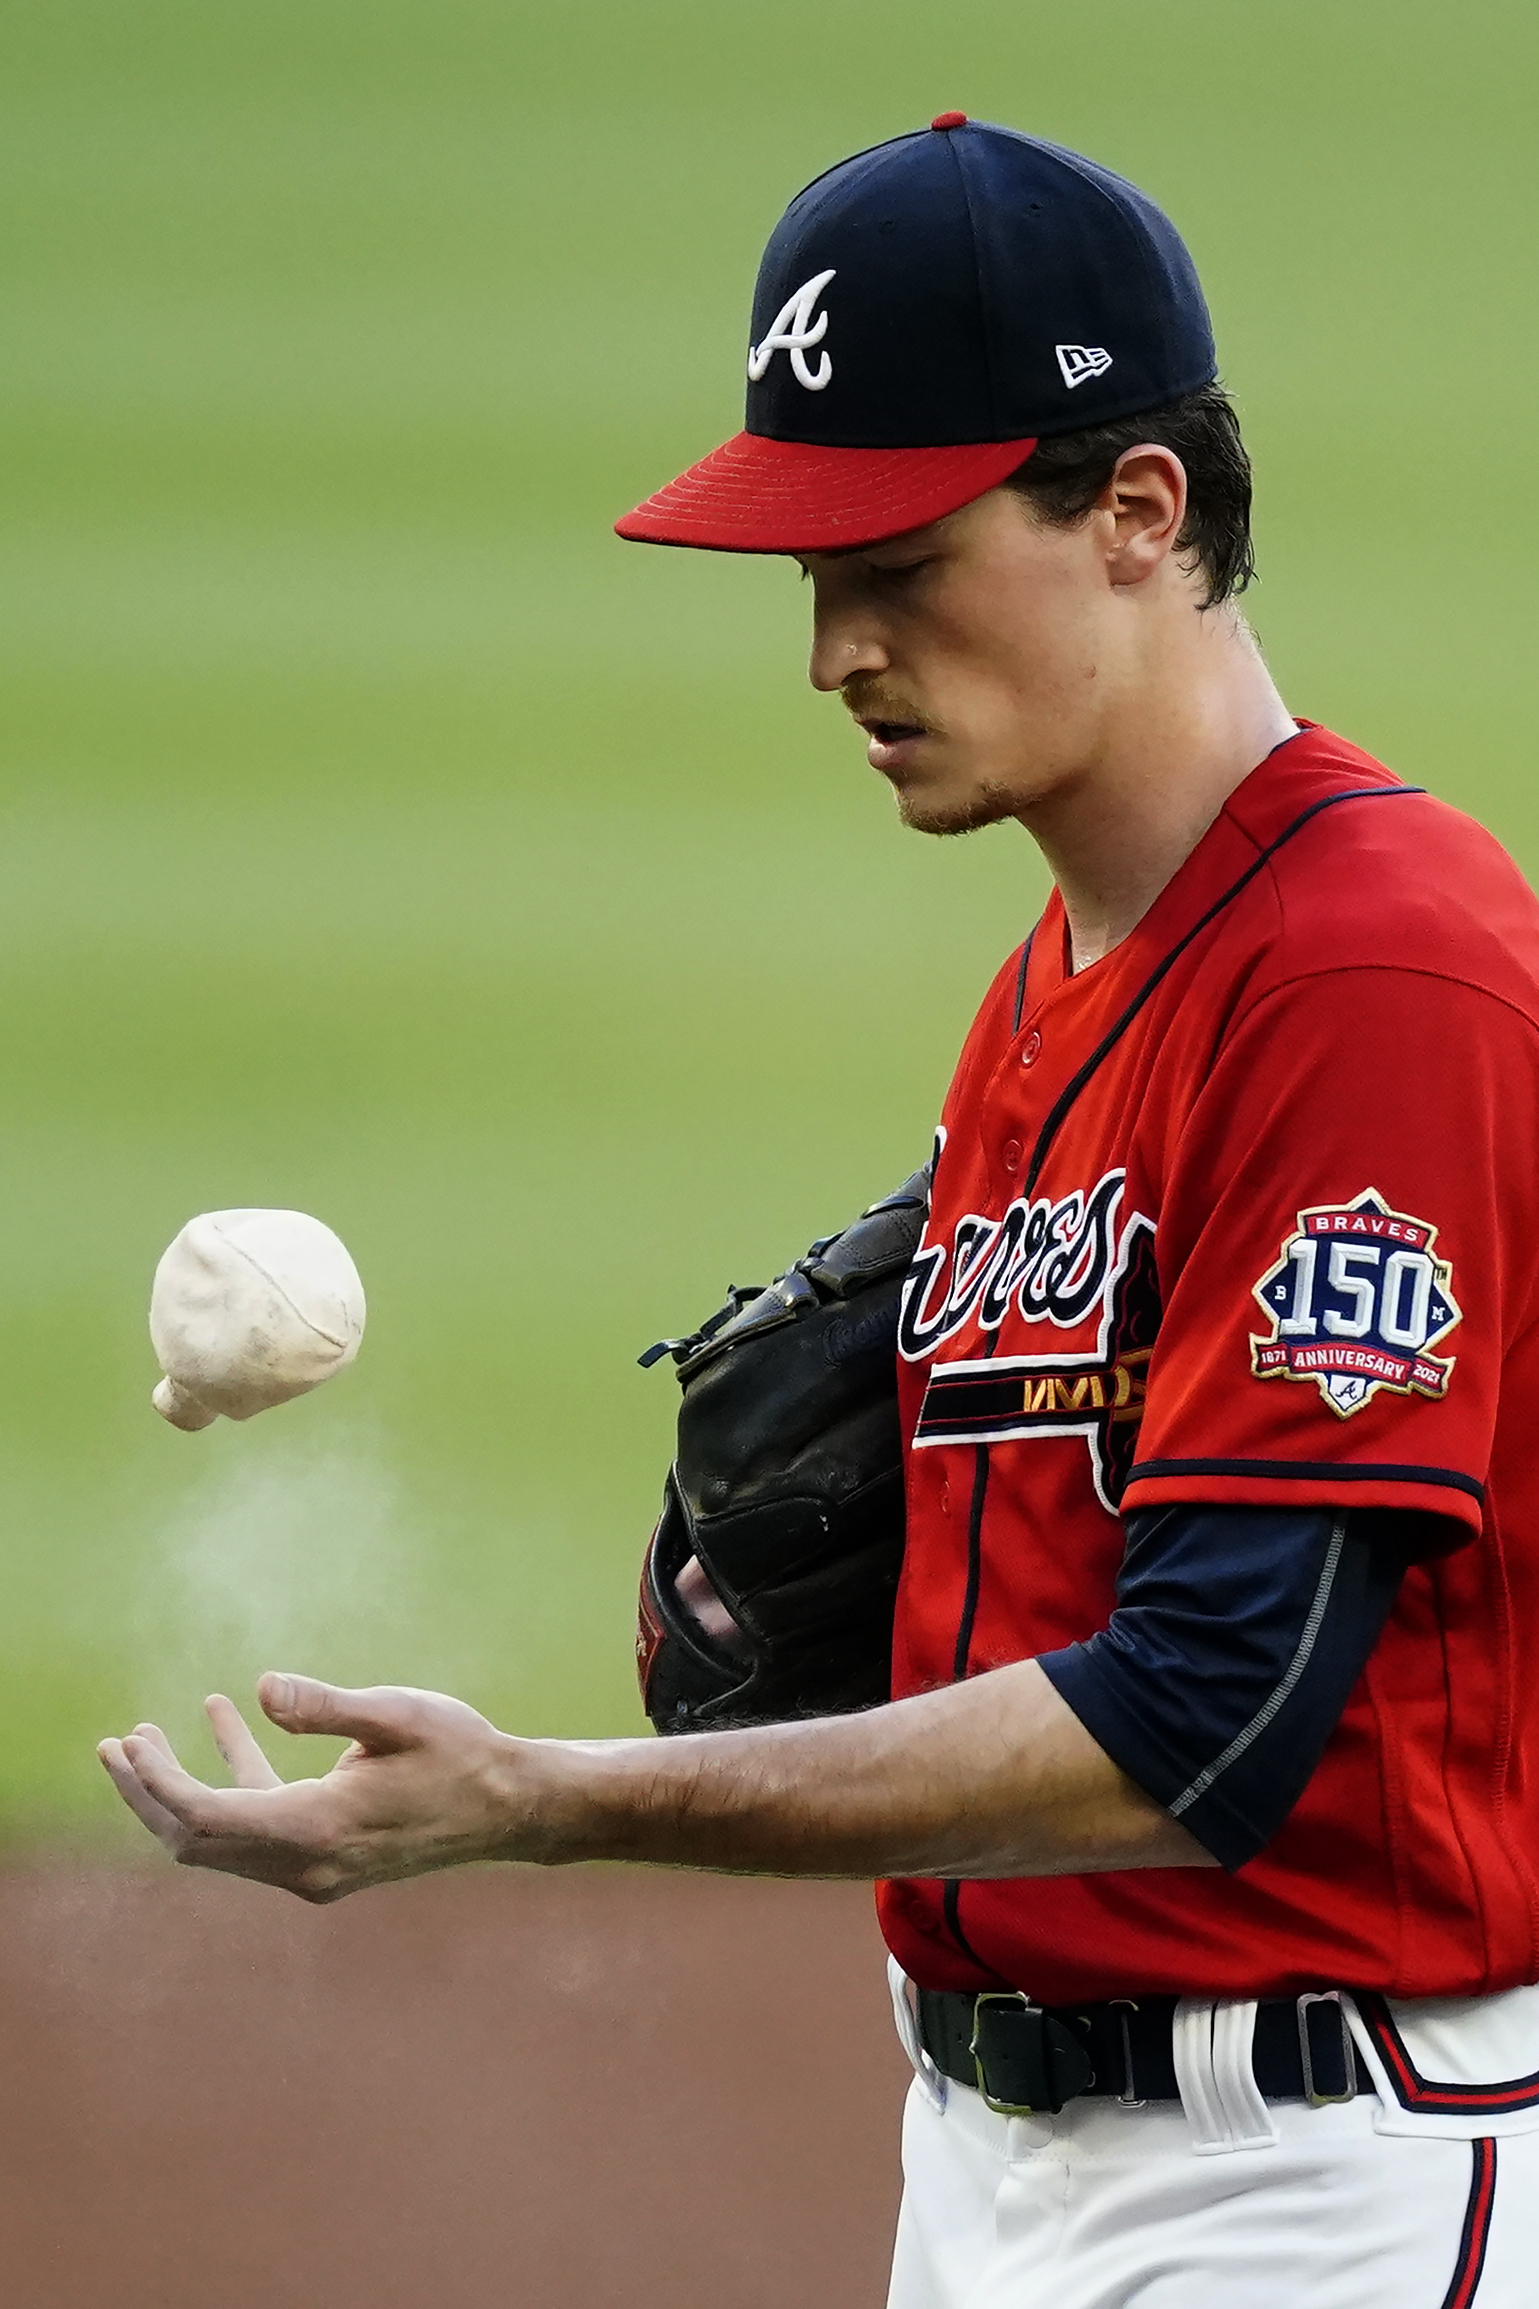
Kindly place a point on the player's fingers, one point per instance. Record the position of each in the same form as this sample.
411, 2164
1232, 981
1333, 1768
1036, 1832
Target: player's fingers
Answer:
237, 1744
175, 1790
137, 1797
275, 1835
383, 1719
284, 1836
264, 1831
153, 1732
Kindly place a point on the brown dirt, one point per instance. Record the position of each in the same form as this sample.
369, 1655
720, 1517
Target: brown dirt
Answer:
499, 2088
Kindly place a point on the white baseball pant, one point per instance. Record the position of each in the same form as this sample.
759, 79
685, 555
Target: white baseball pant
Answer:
1168, 2206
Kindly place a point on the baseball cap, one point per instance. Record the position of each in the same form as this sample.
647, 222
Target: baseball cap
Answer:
925, 313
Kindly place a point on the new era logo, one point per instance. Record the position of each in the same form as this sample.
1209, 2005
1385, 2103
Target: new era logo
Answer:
1081, 361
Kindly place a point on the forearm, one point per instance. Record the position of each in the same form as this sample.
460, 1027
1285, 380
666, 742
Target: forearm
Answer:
993, 1777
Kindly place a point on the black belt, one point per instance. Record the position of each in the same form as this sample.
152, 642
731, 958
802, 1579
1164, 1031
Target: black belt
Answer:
1028, 2060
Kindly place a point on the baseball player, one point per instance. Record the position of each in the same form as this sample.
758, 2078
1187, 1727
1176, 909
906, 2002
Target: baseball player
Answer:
1205, 1790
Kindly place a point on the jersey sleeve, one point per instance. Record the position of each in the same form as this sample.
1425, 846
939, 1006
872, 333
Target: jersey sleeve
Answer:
1346, 1251
1238, 1634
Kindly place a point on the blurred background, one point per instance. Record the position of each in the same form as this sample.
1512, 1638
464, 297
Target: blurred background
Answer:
381, 836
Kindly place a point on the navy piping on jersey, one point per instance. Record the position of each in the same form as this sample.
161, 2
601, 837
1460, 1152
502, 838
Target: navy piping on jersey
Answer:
1476, 2233
1020, 985
974, 1562
951, 1896
1309, 1471
1114, 1033
1049, 1131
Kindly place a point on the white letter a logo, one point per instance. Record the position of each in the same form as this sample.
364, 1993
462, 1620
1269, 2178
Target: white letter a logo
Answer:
792, 331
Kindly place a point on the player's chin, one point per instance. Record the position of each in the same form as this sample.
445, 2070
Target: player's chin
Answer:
936, 808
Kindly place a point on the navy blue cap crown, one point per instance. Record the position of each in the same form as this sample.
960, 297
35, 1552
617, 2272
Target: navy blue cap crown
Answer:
969, 284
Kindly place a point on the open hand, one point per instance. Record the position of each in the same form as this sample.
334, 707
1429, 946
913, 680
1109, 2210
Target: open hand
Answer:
426, 1782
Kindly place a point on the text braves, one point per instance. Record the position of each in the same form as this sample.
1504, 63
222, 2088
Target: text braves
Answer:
1052, 1260
1056, 1262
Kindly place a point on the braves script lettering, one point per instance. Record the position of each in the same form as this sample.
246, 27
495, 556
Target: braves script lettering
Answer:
1052, 1260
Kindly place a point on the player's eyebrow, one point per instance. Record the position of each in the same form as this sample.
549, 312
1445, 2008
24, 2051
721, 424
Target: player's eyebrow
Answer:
848, 552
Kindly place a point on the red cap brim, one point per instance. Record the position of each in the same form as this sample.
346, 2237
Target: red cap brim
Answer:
754, 495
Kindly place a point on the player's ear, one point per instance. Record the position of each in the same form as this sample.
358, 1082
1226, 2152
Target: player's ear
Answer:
1144, 506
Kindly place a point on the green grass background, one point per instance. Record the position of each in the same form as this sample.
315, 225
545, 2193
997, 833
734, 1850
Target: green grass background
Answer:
381, 836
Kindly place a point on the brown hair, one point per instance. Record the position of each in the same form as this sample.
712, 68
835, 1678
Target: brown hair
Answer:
1067, 472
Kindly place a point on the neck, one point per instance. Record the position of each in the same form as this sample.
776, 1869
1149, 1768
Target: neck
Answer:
1116, 831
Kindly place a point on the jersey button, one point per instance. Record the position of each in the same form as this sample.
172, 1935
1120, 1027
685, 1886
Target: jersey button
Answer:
1031, 1048
1010, 1153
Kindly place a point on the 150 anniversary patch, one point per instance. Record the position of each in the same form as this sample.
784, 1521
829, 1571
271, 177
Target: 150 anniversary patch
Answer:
1357, 1301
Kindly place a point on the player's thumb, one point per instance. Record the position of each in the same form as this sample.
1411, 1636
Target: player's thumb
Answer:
381, 1719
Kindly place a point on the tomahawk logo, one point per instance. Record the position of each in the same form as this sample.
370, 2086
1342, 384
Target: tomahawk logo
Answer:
1356, 1300
794, 331
1081, 361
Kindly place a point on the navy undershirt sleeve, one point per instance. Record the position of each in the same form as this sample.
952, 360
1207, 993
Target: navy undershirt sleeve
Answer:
1238, 1635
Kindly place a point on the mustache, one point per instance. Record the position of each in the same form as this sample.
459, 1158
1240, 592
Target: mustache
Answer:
870, 700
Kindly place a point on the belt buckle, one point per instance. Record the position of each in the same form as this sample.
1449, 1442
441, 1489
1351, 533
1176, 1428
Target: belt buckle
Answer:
1316, 2098
998, 1996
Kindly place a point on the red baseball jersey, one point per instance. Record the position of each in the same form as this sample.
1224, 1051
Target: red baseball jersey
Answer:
1248, 1212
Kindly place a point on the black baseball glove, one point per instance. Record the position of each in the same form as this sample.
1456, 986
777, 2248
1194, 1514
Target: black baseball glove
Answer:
787, 1489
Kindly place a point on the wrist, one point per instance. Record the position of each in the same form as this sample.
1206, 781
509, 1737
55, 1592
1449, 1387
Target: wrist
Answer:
561, 1801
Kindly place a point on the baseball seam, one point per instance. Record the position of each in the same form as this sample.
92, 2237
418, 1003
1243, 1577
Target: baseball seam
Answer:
257, 1267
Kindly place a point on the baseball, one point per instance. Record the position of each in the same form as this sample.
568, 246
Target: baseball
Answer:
249, 1309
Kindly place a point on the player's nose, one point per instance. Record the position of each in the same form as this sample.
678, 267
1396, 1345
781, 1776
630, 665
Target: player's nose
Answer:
843, 643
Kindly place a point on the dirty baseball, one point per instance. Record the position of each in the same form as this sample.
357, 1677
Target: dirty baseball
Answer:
249, 1309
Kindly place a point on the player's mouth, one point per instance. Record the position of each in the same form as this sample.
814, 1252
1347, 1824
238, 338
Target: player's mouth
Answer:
894, 731
891, 745
891, 742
